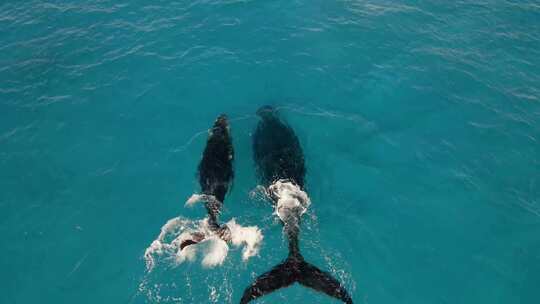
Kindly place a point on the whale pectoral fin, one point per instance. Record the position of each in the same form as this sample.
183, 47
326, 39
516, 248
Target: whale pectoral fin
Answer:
195, 238
321, 281
279, 277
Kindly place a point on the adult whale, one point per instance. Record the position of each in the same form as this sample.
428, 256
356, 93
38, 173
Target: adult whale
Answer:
280, 165
215, 174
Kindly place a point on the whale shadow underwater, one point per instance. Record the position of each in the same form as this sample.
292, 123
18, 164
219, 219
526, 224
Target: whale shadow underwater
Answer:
281, 168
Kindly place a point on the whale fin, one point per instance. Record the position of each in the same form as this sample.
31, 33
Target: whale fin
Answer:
295, 269
196, 238
322, 281
266, 283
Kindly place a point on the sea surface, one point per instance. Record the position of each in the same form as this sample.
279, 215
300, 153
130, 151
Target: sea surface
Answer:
419, 120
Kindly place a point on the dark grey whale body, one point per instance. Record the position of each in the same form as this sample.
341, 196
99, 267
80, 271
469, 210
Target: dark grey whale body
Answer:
215, 174
276, 150
278, 156
216, 167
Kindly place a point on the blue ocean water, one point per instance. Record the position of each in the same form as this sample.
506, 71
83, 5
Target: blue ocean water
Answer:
420, 122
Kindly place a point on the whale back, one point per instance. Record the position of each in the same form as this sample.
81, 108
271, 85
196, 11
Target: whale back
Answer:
276, 150
216, 167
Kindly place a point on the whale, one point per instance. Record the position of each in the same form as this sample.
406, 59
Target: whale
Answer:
215, 174
180, 236
280, 166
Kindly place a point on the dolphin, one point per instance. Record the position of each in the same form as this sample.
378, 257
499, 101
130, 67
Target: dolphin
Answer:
280, 165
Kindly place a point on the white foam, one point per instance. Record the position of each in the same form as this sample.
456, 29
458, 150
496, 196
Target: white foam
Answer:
292, 202
195, 198
215, 252
250, 236
187, 254
212, 249
160, 246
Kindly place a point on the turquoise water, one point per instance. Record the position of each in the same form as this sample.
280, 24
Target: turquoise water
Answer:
420, 122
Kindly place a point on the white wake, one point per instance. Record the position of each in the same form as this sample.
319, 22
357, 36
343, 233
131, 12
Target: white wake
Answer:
212, 249
291, 201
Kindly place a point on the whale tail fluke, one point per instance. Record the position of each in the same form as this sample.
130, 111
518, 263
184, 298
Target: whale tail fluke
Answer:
323, 282
295, 269
278, 277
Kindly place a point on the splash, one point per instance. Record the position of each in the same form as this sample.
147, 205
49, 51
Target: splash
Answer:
212, 248
172, 234
215, 251
291, 200
196, 198
249, 236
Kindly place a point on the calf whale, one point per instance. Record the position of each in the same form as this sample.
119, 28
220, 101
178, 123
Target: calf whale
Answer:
179, 237
215, 173
280, 165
